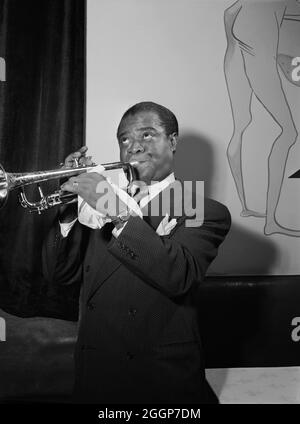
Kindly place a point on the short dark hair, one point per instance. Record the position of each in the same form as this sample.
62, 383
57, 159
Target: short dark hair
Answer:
167, 118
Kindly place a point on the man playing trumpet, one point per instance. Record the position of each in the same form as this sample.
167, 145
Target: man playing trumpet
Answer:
138, 336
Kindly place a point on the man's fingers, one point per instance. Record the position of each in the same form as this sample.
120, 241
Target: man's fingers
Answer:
70, 159
86, 161
75, 184
81, 152
69, 187
89, 161
82, 182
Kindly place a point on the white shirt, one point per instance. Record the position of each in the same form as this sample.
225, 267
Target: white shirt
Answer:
153, 189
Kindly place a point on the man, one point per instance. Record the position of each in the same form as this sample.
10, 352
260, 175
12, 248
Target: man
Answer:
138, 335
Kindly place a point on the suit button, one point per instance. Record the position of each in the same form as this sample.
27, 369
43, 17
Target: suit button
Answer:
91, 306
132, 312
87, 268
129, 355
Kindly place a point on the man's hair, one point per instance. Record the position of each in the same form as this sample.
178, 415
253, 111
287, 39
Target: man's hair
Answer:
167, 118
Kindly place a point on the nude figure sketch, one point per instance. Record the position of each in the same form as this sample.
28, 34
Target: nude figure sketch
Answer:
251, 67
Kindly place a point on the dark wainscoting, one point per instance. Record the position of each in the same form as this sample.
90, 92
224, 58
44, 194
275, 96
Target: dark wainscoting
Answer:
244, 322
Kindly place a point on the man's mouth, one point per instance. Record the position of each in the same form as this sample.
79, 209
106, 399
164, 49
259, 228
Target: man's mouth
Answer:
137, 162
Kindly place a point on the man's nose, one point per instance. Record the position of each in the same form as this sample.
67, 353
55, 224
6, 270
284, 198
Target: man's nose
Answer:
135, 147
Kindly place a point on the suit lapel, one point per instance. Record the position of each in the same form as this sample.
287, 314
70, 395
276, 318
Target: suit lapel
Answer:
107, 264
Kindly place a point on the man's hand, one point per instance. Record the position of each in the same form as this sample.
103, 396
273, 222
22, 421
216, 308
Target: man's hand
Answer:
78, 156
85, 185
69, 212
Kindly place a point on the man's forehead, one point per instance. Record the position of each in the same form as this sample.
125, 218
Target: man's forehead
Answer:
140, 120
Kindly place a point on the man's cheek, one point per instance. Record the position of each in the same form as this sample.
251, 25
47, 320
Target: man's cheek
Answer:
123, 154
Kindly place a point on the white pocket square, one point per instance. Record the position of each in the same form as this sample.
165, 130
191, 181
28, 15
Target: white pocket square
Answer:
166, 226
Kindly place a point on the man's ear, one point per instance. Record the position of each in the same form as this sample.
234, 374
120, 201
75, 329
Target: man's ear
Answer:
173, 140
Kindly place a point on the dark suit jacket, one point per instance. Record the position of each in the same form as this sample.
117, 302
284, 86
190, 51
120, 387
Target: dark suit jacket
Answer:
138, 335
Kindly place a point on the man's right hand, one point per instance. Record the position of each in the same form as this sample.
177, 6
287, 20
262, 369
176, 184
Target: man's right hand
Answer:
68, 212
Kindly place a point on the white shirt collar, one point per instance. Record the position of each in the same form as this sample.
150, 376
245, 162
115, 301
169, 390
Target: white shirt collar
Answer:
159, 186
156, 187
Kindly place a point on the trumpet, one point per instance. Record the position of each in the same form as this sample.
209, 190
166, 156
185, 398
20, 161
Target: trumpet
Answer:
12, 181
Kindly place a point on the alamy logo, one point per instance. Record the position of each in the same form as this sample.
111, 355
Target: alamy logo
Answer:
295, 334
2, 330
2, 320
2, 69
296, 71
175, 199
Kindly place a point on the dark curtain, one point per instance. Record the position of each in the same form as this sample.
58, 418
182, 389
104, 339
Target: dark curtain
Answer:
41, 121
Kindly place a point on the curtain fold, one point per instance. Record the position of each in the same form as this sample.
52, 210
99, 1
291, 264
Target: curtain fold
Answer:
41, 121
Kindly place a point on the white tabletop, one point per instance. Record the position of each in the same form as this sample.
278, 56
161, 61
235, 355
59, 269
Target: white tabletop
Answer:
256, 385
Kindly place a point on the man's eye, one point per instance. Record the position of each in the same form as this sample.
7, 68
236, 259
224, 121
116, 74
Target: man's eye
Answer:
123, 140
147, 136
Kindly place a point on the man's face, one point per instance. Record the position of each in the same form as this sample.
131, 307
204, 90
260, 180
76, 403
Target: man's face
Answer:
142, 138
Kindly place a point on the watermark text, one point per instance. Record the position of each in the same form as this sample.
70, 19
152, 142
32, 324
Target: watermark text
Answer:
2, 330
296, 70
2, 69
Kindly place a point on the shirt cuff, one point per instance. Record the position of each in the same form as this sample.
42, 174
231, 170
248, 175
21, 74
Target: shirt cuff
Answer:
65, 227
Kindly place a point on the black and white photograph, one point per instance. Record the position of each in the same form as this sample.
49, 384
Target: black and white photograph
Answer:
149, 205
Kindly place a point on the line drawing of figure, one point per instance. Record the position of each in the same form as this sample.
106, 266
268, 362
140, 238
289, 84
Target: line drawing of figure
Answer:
251, 67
